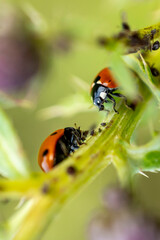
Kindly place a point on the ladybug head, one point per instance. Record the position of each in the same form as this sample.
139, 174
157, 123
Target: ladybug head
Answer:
99, 103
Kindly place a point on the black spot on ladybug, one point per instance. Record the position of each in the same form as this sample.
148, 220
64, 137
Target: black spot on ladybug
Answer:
71, 170
109, 81
45, 152
103, 124
54, 133
156, 45
97, 78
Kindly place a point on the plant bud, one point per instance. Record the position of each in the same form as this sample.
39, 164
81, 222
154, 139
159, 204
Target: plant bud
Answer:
19, 56
115, 199
122, 221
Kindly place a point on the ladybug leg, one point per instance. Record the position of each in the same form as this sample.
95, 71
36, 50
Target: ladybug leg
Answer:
64, 148
78, 139
113, 89
101, 107
106, 101
121, 96
114, 102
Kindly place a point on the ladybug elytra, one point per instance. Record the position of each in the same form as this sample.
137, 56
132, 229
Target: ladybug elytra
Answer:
58, 146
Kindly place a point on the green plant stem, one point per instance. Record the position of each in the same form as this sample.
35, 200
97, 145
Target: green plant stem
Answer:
53, 190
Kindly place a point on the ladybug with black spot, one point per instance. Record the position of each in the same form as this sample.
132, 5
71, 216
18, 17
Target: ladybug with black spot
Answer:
58, 146
103, 90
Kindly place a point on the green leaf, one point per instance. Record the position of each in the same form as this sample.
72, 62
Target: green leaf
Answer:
144, 72
8, 102
144, 158
13, 163
151, 161
15, 221
123, 75
71, 105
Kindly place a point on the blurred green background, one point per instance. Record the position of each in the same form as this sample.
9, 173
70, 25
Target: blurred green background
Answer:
85, 20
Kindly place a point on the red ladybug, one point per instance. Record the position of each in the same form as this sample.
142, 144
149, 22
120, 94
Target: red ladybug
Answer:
58, 146
103, 89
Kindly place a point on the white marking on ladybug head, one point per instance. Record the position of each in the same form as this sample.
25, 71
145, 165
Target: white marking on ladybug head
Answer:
98, 82
103, 95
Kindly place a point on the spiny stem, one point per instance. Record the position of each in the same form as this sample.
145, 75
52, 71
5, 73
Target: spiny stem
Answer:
51, 191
